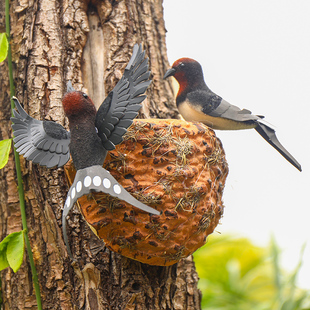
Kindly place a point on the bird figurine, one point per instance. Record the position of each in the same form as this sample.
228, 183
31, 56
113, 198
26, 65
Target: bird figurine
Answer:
92, 134
197, 103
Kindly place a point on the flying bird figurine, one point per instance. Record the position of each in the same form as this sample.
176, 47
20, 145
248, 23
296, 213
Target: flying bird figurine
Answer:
197, 103
92, 134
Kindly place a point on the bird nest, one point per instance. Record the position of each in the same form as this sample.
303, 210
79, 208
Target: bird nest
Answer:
173, 166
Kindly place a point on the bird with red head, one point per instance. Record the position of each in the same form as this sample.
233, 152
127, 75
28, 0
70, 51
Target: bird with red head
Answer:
198, 103
92, 134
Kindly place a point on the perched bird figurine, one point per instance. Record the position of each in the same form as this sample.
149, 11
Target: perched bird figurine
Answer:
92, 134
197, 103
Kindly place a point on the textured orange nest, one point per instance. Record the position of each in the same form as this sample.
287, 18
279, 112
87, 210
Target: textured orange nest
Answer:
174, 166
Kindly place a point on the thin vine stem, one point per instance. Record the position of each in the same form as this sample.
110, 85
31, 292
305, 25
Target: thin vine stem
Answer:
17, 164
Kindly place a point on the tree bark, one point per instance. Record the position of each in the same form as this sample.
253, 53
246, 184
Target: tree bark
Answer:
88, 42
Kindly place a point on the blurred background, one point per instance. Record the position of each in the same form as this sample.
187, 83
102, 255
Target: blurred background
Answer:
256, 55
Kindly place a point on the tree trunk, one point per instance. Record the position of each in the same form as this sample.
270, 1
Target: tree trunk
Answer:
88, 42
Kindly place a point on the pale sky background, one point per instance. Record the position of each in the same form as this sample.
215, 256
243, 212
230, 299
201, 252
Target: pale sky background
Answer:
256, 55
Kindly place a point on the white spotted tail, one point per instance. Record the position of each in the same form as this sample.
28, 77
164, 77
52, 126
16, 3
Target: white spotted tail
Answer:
96, 179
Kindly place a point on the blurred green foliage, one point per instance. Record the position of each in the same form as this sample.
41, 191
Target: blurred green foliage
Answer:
237, 275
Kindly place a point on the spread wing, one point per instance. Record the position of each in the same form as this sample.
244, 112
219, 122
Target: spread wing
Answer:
43, 142
122, 104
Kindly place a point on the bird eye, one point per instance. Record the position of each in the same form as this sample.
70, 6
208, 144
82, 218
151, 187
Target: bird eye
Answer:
85, 96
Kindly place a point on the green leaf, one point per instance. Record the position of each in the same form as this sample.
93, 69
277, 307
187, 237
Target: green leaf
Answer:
3, 261
5, 146
12, 251
3, 46
4, 243
15, 250
3, 246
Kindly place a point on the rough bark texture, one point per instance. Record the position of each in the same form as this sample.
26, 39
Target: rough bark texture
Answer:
88, 42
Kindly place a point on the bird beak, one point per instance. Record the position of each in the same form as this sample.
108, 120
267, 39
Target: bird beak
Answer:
170, 72
70, 87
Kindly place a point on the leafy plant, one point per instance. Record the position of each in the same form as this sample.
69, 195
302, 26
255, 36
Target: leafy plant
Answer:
12, 243
237, 275
12, 250
5, 145
288, 296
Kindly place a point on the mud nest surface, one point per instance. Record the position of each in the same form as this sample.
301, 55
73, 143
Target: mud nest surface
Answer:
176, 167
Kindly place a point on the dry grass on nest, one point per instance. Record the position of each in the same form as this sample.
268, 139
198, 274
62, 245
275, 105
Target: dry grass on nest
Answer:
135, 130
183, 148
216, 157
158, 232
175, 256
167, 185
160, 137
203, 224
148, 198
190, 199
118, 160
206, 219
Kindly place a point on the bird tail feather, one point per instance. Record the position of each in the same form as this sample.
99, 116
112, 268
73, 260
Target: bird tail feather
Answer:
96, 179
264, 122
269, 135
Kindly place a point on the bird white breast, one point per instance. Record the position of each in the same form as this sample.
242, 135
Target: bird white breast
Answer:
194, 114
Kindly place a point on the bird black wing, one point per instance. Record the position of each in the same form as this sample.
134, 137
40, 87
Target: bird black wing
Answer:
232, 112
43, 142
122, 104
